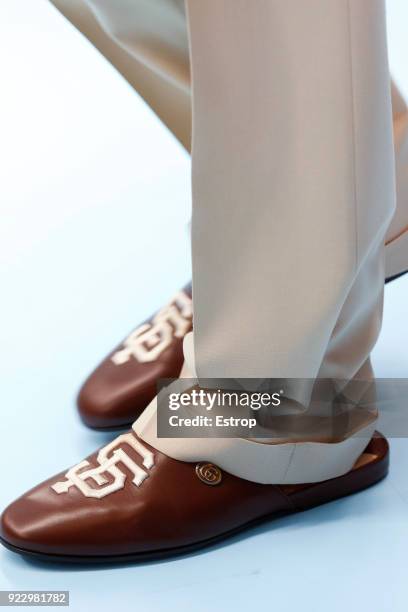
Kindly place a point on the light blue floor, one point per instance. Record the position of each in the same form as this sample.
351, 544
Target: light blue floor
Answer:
94, 206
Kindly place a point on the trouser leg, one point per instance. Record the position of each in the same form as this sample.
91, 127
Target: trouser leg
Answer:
293, 191
293, 180
146, 41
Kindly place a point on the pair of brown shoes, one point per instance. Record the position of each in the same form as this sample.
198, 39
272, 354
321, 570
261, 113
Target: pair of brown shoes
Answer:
128, 501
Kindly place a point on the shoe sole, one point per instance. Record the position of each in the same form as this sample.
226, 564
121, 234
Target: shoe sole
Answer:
390, 279
369, 474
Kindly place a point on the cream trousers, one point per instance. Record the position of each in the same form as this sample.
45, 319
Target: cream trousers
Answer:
293, 181
148, 45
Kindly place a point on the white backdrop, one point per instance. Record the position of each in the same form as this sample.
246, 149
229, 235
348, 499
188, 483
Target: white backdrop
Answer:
94, 201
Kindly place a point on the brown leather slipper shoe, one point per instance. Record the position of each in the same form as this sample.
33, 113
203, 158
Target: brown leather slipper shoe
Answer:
121, 387
129, 502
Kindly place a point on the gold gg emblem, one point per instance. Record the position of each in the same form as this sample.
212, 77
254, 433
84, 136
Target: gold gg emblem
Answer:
209, 473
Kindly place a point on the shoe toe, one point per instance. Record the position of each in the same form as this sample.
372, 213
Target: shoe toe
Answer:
14, 529
114, 396
30, 526
68, 524
107, 401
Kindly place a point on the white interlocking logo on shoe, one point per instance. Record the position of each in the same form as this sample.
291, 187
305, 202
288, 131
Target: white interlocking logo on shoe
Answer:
147, 342
108, 459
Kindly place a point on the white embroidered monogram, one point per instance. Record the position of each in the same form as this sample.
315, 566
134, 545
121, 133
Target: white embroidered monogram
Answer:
77, 476
147, 342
